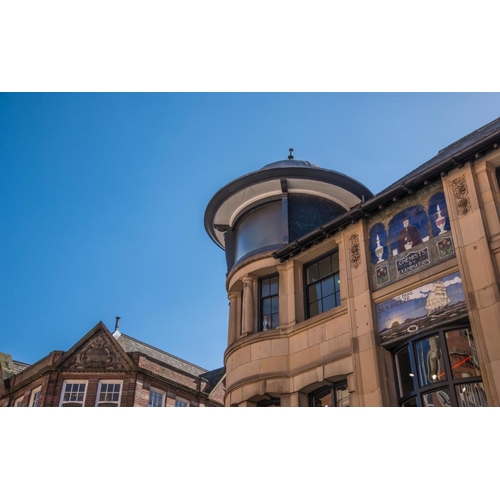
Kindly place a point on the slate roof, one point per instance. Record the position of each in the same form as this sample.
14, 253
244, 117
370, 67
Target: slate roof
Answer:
214, 376
130, 344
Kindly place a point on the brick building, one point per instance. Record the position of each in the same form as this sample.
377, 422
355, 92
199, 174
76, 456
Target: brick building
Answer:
105, 369
339, 297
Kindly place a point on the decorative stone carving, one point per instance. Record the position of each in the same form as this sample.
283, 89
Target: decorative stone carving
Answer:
98, 354
355, 253
461, 191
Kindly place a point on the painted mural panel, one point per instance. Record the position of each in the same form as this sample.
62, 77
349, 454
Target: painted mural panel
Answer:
410, 235
423, 307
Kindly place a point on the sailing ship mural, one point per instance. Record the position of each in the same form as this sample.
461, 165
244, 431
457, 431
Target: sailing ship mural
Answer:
421, 308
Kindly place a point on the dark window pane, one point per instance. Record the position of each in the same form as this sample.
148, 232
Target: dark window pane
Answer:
314, 292
265, 288
274, 285
411, 403
462, 353
314, 309
325, 267
342, 395
439, 398
266, 306
430, 361
406, 378
323, 398
275, 320
313, 273
275, 304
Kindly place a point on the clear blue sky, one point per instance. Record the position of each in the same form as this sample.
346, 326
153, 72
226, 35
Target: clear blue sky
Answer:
102, 198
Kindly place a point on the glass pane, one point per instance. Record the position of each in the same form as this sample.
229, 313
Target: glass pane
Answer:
266, 307
336, 280
314, 309
342, 395
327, 287
82, 388
313, 273
462, 353
439, 398
335, 263
410, 403
471, 395
325, 267
430, 361
274, 305
274, 285
265, 288
328, 303
406, 378
275, 321
314, 292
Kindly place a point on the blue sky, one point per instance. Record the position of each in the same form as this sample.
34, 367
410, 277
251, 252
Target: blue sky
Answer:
102, 198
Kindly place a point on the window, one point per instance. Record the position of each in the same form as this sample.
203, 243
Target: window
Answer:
73, 393
19, 401
35, 396
335, 395
156, 398
268, 303
109, 393
322, 285
440, 369
181, 402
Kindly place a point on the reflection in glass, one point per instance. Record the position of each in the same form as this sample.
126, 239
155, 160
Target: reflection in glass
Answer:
406, 378
430, 361
462, 353
439, 398
269, 303
471, 395
342, 395
410, 403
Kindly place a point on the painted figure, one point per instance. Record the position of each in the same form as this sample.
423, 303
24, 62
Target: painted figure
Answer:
408, 237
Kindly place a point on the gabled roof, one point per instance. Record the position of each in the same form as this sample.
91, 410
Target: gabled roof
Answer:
214, 376
19, 366
130, 344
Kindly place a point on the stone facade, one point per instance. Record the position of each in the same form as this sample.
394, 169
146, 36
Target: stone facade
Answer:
414, 320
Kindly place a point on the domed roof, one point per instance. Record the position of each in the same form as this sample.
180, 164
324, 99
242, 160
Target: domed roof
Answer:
290, 163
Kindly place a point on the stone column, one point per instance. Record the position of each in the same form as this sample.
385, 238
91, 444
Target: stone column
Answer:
233, 318
248, 320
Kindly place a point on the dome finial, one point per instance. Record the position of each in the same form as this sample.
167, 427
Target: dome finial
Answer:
290, 156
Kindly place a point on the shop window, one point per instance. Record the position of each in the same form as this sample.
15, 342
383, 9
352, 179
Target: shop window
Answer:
109, 393
333, 395
268, 303
156, 398
35, 396
441, 369
322, 285
73, 393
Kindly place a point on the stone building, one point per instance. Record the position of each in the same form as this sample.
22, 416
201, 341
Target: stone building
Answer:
339, 297
105, 369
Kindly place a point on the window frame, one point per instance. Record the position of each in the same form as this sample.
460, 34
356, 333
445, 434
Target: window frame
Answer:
332, 388
161, 393
181, 400
449, 383
107, 404
307, 286
261, 302
19, 402
33, 399
71, 404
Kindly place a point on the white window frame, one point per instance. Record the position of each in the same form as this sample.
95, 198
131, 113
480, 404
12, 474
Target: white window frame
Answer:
181, 400
73, 403
109, 403
33, 398
19, 401
160, 393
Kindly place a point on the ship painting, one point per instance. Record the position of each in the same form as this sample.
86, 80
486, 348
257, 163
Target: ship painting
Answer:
437, 299
422, 308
